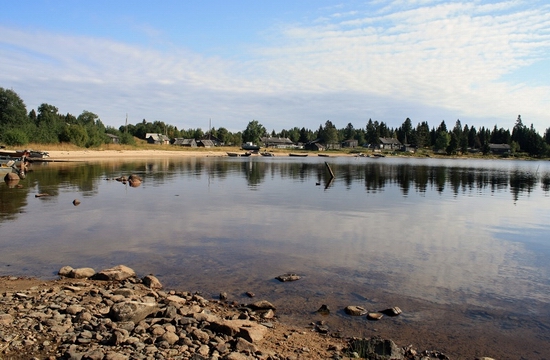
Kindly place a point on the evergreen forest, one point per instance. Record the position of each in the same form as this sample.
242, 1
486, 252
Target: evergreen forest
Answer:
45, 125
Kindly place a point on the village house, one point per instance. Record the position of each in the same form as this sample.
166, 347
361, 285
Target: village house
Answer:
389, 144
185, 142
205, 143
500, 148
351, 143
277, 142
113, 138
314, 145
158, 139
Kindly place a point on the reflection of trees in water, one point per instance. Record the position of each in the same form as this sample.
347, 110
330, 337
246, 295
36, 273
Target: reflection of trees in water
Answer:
374, 175
12, 200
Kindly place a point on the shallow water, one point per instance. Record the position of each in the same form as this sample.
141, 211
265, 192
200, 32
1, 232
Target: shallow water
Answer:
461, 246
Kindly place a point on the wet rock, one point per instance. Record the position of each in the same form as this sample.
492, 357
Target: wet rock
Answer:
261, 305
288, 277
65, 271
374, 316
76, 202
223, 296
11, 177
324, 310
394, 311
117, 273
355, 310
250, 294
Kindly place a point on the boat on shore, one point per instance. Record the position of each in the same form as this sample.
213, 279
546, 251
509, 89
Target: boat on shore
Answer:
298, 154
250, 146
266, 153
323, 155
234, 154
12, 165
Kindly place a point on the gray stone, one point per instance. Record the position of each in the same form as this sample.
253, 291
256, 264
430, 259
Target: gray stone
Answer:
132, 311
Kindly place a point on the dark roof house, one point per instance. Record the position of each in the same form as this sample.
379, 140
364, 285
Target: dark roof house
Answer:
499, 148
185, 142
389, 144
205, 143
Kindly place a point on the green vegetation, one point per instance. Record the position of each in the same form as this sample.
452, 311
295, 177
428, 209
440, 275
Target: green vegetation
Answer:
47, 126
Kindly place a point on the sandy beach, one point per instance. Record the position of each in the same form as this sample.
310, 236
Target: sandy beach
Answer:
85, 155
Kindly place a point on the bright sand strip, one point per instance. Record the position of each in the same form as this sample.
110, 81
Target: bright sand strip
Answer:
113, 155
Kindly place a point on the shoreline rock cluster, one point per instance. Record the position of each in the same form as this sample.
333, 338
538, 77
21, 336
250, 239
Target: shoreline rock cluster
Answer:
113, 315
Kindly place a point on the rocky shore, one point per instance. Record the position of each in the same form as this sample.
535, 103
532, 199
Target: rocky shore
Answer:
114, 315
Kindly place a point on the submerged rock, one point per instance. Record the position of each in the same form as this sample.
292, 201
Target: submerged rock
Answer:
394, 311
324, 310
288, 277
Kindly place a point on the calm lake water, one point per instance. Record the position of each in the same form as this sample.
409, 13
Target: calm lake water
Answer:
462, 246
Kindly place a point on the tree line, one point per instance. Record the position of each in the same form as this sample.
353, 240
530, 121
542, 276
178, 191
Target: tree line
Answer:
47, 126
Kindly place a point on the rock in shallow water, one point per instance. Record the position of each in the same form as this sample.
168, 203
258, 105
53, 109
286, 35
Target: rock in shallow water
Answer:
355, 310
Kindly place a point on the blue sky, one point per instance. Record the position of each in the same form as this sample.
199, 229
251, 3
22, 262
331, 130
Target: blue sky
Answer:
283, 63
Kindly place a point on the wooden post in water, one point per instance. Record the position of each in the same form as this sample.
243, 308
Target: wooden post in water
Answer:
329, 169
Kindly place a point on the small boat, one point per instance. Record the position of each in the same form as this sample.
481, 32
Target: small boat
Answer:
298, 154
234, 154
250, 146
9, 165
265, 153
323, 155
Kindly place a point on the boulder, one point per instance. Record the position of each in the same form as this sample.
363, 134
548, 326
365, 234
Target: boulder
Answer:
76, 202
151, 282
117, 273
377, 348
133, 311
11, 177
65, 271
81, 273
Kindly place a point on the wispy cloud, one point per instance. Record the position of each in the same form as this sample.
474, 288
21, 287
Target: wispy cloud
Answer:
428, 60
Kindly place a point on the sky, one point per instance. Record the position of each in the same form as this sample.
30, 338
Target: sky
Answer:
282, 63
